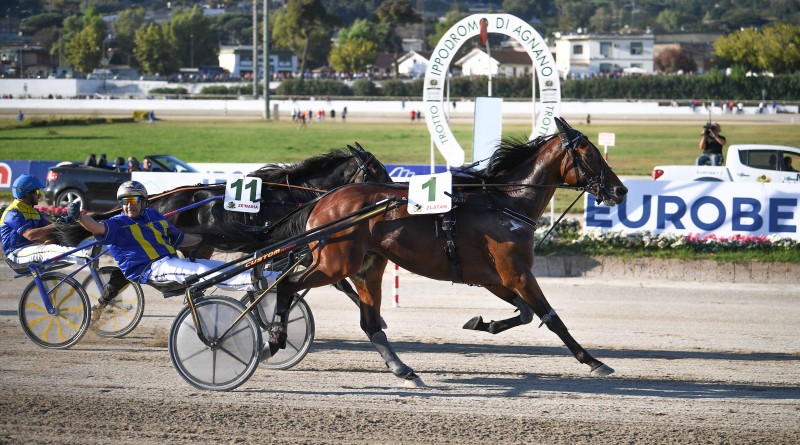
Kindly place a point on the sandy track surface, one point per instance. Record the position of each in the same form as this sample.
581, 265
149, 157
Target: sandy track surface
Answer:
695, 363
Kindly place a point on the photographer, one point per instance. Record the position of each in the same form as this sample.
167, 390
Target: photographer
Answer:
711, 143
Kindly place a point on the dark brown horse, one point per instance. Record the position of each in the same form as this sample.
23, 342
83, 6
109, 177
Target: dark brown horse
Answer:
285, 188
493, 236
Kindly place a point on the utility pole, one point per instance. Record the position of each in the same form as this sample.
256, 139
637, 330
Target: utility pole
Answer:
255, 49
266, 60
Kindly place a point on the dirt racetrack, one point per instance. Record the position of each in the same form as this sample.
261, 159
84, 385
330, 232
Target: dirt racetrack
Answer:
695, 363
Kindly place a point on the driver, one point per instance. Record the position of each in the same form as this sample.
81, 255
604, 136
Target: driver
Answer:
23, 228
144, 244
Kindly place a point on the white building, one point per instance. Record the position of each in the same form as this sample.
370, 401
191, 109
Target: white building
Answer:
413, 64
585, 55
238, 60
503, 63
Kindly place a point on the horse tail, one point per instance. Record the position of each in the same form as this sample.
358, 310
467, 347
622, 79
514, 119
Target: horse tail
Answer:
239, 237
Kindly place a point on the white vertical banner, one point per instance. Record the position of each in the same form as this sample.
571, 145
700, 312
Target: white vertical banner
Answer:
488, 128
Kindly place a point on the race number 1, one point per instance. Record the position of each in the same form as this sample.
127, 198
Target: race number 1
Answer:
243, 194
430, 193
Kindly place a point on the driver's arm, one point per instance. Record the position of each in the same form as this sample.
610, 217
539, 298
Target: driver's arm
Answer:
88, 223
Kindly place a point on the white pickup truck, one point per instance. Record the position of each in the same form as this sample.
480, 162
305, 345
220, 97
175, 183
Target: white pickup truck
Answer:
743, 163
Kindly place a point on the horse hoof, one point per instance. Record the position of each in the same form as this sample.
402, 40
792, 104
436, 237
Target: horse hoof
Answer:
602, 371
416, 382
474, 323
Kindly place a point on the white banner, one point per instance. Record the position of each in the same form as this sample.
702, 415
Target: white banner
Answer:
700, 207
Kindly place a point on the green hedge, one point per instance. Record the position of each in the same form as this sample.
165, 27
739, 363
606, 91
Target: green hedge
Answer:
710, 86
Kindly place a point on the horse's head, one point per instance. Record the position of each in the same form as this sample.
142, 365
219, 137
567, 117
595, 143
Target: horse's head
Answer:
584, 166
370, 169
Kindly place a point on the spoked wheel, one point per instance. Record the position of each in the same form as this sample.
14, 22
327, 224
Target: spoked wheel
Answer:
69, 320
299, 332
123, 313
231, 360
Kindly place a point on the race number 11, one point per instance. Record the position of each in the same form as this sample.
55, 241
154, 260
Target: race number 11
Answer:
430, 193
243, 194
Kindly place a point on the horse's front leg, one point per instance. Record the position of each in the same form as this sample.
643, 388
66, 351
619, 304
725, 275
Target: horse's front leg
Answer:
368, 284
497, 326
534, 296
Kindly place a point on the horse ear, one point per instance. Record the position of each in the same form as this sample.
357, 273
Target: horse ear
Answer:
561, 124
359, 147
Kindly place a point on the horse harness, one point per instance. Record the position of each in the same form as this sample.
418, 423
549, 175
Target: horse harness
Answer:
445, 227
445, 223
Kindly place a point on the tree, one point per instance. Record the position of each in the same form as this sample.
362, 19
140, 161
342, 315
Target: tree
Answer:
352, 54
154, 49
392, 13
453, 16
672, 60
124, 27
85, 47
667, 21
774, 49
301, 26
195, 44
234, 28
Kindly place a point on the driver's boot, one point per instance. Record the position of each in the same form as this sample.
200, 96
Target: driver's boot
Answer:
116, 283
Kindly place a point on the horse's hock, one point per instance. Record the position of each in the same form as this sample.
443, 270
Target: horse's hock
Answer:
665, 269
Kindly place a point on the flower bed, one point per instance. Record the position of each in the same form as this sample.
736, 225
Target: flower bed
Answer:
570, 238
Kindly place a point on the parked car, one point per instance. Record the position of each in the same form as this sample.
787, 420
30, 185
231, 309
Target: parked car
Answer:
94, 182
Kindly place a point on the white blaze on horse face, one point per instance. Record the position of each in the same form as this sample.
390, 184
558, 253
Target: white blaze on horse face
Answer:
513, 225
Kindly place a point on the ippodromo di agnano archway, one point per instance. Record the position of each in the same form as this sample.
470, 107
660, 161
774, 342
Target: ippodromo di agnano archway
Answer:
439, 64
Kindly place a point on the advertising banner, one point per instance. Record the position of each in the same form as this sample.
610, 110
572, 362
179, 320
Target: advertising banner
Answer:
700, 207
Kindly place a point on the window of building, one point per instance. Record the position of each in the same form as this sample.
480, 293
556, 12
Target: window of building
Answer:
637, 49
577, 49
605, 49
605, 67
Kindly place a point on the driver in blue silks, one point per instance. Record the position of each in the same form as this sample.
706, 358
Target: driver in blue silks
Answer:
144, 244
23, 227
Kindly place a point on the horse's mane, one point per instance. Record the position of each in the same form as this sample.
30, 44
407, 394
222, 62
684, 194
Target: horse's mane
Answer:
510, 153
280, 172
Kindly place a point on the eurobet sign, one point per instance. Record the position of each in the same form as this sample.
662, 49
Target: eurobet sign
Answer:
442, 57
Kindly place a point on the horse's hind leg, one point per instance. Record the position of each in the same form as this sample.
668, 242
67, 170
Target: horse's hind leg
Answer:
535, 297
494, 327
368, 283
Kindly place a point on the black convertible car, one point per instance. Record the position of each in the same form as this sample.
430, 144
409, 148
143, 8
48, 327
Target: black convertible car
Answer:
94, 182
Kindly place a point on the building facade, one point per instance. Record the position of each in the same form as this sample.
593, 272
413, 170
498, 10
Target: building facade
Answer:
586, 55
238, 60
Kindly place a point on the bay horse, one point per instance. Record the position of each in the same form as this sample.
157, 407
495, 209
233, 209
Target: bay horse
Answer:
494, 236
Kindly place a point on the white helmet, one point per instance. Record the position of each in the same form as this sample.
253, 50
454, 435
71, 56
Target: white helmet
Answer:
132, 188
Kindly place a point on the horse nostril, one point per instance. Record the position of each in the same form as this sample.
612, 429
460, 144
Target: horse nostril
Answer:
621, 190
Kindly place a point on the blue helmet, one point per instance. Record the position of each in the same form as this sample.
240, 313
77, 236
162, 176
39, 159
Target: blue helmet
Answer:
24, 185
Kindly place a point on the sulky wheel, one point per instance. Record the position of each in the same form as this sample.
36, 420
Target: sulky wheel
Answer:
69, 320
227, 362
299, 331
119, 317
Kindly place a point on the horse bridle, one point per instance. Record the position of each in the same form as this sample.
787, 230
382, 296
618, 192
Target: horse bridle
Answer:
595, 181
363, 166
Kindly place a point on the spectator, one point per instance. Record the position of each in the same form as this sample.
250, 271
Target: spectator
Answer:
147, 165
711, 143
133, 164
20, 117
151, 118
